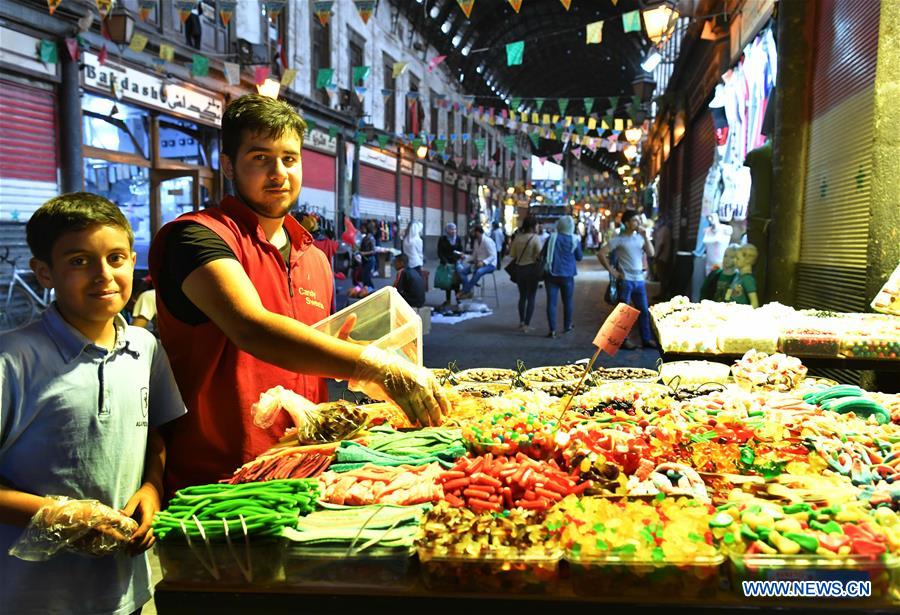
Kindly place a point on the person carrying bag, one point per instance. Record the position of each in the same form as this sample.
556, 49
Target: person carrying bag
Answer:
526, 269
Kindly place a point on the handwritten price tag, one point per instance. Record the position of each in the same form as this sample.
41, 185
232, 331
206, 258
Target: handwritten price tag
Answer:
615, 328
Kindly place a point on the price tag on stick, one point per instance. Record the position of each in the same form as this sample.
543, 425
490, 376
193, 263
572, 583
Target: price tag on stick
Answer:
612, 333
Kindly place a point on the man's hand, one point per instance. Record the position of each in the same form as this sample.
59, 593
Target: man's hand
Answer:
142, 506
642, 232
616, 274
385, 376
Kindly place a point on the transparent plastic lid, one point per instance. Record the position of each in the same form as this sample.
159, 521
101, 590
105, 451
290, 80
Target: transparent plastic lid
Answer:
383, 319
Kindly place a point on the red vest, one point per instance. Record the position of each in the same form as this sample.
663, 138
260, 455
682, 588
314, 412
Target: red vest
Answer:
218, 381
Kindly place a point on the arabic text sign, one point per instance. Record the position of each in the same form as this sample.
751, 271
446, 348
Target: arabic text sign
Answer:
615, 328
149, 90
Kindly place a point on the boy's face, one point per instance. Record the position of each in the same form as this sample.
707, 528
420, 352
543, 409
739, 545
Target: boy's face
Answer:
91, 271
267, 173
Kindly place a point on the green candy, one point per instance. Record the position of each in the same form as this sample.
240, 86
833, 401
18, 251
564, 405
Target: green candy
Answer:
721, 520
807, 543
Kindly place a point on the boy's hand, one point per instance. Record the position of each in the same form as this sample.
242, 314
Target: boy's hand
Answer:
142, 506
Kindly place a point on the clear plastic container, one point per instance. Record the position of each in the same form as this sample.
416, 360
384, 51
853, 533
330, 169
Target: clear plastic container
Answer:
384, 319
509, 571
617, 576
883, 572
259, 562
692, 373
870, 347
797, 344
332, 565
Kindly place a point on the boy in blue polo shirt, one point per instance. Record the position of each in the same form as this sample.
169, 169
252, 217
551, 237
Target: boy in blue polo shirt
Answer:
82, 397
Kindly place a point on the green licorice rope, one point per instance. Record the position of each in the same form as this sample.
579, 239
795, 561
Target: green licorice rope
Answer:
260, 509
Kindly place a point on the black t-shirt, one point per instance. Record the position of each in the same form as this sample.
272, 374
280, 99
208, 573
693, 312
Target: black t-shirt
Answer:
189, 246
411, 287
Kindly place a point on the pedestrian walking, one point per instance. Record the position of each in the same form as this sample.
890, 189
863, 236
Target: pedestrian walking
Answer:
563, 250
525, 251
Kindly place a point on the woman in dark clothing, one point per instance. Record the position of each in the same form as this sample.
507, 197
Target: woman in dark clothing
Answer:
450, 252
525, 250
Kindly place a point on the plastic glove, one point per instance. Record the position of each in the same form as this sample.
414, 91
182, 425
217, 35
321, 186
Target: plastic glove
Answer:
82, 526
385, 376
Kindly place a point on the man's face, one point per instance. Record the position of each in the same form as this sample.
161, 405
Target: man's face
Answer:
633, 223
267, 173
91, 271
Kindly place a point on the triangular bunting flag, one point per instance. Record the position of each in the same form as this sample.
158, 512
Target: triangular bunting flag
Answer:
412, 95
458, 160
558, 157
386, 93
287, 78
274, 8
52, 4
360, 92
233, 73
509, 164
365, 8
360, 138
594, 33
226, 10
324, 77
563, 105
184, 8
166, 52
543, 159
510, 141
539, 102
145, 7
138, 42
535, 139
104, 6
72, 46
514, 53
631, 21
397, 69
577, 152
199, 65
48, 53
466, 6
333, 131
479, 145
383, 141
526, 163
465, 137
516, 4
360, 74
514, 103
322, 10
568, 3
433, 62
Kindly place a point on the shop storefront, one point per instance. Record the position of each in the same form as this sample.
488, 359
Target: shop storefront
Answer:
462, 203
449, 199
150, 145
319, 193
433, 203
377, 184
418, 205
28, 122
405, 192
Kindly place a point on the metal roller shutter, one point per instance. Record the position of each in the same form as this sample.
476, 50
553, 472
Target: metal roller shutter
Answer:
834, 237
404, 190
449, 193
701, 148
417, 192
27, 120
376, 183
433, 202
319, 170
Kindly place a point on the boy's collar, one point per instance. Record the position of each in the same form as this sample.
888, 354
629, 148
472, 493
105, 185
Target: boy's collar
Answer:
70, 341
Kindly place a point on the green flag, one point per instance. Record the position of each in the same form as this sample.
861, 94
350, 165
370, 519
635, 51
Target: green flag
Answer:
383, 140
333, 131
514, 103
48, 53
535, 139
510, 141
310, 125
360, 74
199, 65
479, 144
588, 105
539, 102
361, 138
514, 52
631, 22
324, 77
563, 105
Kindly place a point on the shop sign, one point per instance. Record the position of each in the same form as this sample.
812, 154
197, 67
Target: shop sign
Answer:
463, 183
149, 90
406, 166
378, 159
320, 141
418, 170
450, 177
434, 174
17, 50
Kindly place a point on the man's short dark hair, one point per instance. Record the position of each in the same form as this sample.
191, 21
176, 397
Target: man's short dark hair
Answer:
69, 213
478, 229
258, 114
628, 215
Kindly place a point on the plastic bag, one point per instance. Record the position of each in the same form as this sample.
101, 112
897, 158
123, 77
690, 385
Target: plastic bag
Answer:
314, 424
81, 526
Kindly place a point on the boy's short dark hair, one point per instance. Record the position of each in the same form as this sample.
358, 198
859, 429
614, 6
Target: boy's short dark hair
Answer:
69, 213
258, 114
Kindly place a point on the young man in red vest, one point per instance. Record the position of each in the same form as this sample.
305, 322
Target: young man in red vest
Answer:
237, 287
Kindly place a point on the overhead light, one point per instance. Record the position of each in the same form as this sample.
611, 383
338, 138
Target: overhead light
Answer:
467, 49
529, 192
651, 60
435, 11
587, 206
270, 88
659, 18
623, 169
457, 40
119, 25
510, 190
422, 151
446, 26
643, 86
630, 152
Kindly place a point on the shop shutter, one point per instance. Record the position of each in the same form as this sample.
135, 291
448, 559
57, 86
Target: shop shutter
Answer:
701, 147
376, 183
670, 181
404, 191
417, 192
449, 193
831, 273
433, 202
319, 171
27, 122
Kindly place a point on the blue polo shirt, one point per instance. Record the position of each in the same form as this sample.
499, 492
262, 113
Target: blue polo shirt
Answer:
73, 422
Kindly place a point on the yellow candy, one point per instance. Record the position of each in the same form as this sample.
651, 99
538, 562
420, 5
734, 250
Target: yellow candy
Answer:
784, 545
788, 525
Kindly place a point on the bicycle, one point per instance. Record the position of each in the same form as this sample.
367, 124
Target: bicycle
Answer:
23, 304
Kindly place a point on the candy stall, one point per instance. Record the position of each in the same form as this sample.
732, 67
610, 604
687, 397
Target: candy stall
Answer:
680, 488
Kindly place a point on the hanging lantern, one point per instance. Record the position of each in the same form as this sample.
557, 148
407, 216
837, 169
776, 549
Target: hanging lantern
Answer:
659, 18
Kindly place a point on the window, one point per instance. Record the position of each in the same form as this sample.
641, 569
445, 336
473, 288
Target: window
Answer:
321, 57
414, 113
435, 112
187, 142
390, 102
115, 126
356, 58
277, 38
215, 34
